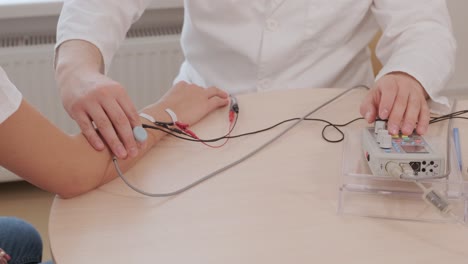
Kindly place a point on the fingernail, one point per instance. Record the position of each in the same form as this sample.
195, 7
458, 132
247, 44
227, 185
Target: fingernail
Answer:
393, 129
99, 144
384, 114
133, 152
408, 129
422, 130
367, 116
121, 152
8, 258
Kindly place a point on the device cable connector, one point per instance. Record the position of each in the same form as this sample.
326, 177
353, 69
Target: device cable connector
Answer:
394, 169
435, 199
430, 195
440, 203
233, 108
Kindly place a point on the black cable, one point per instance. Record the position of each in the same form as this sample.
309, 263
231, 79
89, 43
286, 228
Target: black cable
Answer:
454, 115
329, 124
167, 128
236, 162
177, 133
336, 126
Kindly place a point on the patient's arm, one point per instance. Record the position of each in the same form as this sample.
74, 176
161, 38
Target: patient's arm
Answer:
68, 165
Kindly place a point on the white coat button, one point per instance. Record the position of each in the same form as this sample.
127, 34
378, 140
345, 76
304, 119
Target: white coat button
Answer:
272, 24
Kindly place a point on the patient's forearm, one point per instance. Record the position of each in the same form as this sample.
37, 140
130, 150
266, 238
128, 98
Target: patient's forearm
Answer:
68, 165
42, 154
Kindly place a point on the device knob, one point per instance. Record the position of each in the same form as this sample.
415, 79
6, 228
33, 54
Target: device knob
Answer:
394, 169
386, 141
380, 135
379, 125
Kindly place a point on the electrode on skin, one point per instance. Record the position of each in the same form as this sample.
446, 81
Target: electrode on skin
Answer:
140, 134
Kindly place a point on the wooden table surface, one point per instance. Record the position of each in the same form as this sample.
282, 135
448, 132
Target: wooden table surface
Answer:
279, 206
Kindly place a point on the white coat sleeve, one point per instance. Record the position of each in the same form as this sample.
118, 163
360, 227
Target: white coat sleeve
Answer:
103, 23
417, 39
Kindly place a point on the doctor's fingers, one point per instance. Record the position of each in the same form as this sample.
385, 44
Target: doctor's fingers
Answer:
412, 113
389, 92
370, 105
397, 111
105, 127
122, 122
87, 129
424, 118
416, 116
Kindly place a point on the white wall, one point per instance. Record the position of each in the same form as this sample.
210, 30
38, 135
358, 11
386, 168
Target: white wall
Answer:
459, 12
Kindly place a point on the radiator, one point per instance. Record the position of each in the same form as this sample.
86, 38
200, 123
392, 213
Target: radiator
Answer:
146, 65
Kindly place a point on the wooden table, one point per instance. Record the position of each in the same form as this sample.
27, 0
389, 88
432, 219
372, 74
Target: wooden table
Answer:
280, 206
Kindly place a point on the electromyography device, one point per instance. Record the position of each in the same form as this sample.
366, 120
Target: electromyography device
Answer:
411, 155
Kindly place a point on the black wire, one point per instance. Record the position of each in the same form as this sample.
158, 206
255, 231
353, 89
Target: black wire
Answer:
265, 129
454, 115
329, 124
177, 133
336, 126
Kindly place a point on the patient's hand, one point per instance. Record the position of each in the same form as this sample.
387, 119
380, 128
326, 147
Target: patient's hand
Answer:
190, 103
401, 99
4, 257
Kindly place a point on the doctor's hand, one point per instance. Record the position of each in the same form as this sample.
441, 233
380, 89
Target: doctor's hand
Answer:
401, 99
91, 97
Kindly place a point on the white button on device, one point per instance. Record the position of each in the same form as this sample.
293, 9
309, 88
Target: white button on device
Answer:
272, 24
381, 134
386, 142
379, 125
140, 134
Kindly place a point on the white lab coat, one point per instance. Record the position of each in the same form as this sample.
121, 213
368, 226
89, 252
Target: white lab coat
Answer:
10, 97
259, 45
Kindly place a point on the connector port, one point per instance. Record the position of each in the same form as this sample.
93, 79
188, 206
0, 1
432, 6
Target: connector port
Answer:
415, 165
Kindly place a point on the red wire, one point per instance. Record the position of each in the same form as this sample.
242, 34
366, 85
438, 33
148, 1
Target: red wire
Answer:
185, 129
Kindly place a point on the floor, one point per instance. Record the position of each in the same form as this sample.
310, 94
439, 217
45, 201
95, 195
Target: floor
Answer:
23, 200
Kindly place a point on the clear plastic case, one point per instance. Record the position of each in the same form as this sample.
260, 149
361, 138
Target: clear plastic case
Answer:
363, 194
